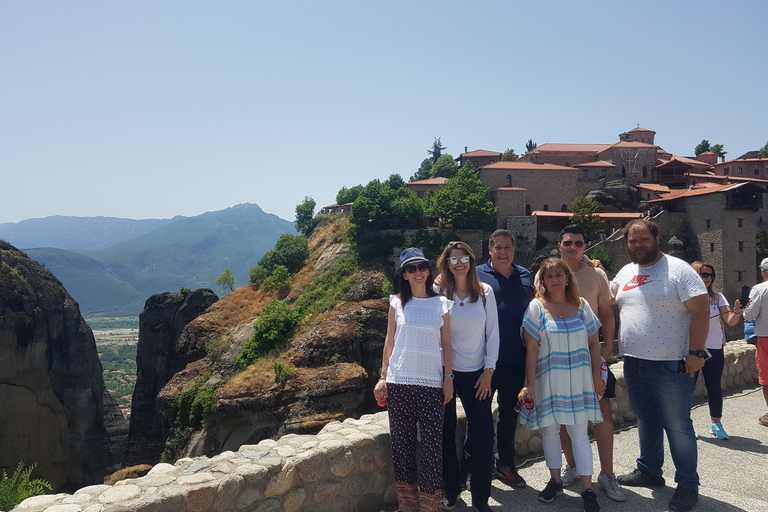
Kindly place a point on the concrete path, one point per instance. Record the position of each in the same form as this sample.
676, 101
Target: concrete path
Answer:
733, 473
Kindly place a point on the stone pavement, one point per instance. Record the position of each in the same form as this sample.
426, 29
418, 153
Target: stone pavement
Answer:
733, 473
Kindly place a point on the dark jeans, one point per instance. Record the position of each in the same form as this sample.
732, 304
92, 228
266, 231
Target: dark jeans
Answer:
713, 373
479, 439
661, 398
508, 380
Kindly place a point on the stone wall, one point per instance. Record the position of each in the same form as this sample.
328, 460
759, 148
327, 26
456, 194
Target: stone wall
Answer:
346, 467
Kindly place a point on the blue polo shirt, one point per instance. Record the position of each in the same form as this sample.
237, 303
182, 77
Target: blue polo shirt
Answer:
513, 295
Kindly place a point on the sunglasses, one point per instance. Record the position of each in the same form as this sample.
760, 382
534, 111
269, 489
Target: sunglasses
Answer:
568, 243
707, 275
421, 267
455, 259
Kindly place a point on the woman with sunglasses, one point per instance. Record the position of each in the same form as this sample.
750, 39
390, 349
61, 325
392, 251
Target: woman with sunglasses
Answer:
417, 381
713, 369
475, 346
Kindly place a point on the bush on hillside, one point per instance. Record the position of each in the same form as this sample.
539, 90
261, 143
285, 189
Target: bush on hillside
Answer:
290, 251
18, 487
273, 328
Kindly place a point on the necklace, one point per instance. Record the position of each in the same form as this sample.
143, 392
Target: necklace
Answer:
461, 301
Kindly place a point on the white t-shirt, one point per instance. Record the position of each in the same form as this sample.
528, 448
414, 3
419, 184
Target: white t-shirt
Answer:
716, 336
655, 324
417, 357
757, 310
474, 332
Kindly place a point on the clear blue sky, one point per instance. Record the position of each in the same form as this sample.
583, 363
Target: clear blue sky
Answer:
154, 109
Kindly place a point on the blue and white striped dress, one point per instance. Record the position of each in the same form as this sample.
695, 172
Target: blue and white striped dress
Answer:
565, 392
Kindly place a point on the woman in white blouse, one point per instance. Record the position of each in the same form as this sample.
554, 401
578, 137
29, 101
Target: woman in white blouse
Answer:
475, 347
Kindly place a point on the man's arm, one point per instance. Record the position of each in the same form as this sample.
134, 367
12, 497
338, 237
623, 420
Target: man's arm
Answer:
699, 308
605, 315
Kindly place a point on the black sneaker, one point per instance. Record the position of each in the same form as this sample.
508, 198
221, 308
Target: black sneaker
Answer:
450, 502
639, 478
590, 501
683, 499
550, 491
510, 475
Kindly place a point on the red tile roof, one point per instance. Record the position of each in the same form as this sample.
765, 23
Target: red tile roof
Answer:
653, 187
627, 144
608, 215
684, 160
578, 148
480, 152
526, 166
699, 191
512, 188
430, 181
598, 163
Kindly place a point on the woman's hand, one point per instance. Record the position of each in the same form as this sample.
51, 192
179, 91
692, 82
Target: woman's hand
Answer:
483, 386
380, 391
526, 391
447, 390
599, 386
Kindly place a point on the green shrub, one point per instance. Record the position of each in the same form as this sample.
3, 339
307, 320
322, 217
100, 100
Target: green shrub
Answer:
280, 278
19, 487
191, 409
281, 373
387, 288
184, 291
215, 348
329, 288
599, 254
541, 242
273, 327
290, 251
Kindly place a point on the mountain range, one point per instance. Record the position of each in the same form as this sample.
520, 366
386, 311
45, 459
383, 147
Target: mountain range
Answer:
112, 265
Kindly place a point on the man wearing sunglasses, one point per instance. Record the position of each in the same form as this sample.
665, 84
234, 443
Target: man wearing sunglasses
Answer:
595, 288
513, 290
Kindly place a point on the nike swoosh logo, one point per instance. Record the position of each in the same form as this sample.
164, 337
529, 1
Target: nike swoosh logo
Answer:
628, 287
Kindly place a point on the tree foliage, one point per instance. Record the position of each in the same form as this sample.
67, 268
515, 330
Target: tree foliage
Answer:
380, 206
509, 156
272, 329
305, 212
445, 166
584, 209
226, 280
702, 147
436, 150
530, 146
348, 195
463, 201
290, 251
718, 150
19, 486
764, 151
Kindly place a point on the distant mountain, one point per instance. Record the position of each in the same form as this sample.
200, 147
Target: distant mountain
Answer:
77, 233
189, 252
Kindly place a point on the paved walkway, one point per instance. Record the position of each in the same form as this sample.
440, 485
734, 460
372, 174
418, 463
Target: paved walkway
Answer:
733, 473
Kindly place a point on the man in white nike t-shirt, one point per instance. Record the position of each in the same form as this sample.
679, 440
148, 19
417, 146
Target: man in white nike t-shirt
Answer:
664, 319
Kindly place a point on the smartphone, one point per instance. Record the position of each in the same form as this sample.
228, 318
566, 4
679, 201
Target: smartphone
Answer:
744, 296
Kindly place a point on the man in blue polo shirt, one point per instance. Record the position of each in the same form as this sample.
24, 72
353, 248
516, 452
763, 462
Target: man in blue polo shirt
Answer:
513, 288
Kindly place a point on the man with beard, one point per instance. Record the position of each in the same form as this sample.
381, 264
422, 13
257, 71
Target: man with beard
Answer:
664, 319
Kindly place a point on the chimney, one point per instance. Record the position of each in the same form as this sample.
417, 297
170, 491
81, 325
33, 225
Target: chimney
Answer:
465, 149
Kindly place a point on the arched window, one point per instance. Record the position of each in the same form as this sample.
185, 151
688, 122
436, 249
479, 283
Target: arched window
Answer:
645, 171
564, 208
546, 208
527, 209
509, 180
623, 172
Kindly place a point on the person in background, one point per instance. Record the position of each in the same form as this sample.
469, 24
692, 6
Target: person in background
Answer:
757, 311
513, 290
596, 289
563, 374
416, 382
664, 321
713, 369
475, 345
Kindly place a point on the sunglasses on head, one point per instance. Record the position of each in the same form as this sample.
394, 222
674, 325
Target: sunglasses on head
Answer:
421, 267
568, 243
707, 275
455, 259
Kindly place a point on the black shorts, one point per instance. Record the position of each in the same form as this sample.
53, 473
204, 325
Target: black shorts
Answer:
610, 385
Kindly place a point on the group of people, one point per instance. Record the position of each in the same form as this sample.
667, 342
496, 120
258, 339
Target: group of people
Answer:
492, 329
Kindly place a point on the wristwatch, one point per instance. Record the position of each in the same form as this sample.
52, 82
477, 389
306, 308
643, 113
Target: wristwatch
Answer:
698, 353
490, 370
449, 375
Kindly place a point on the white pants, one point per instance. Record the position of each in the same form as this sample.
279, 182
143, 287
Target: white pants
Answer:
553, 451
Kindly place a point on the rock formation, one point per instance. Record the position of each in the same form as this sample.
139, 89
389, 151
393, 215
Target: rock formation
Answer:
158, 358
54, 409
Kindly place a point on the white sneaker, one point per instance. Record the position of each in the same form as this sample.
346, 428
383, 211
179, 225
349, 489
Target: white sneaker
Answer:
569, 476
611, 487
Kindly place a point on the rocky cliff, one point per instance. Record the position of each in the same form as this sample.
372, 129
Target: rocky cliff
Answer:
54, 410
161, 324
